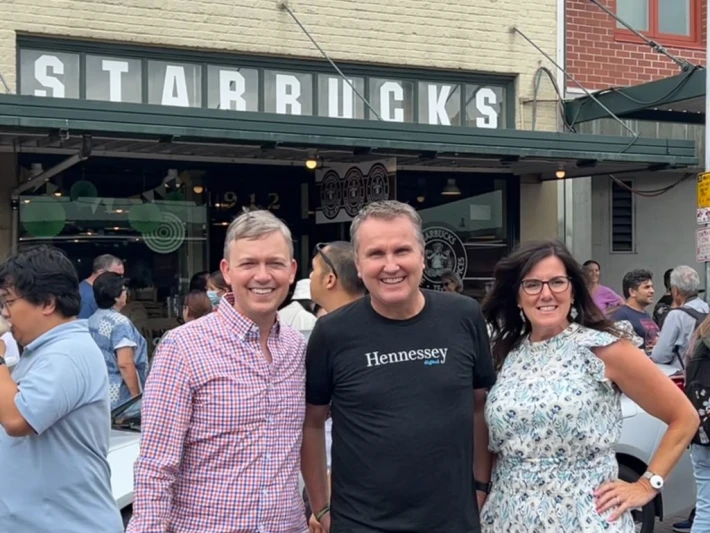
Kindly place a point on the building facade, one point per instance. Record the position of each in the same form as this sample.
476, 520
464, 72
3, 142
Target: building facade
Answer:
638, 220
143, 129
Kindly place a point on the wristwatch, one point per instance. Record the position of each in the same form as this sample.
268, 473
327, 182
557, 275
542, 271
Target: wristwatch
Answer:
655, 480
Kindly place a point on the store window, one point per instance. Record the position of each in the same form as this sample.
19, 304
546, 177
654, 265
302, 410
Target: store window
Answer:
466, 221
675, 22
150, 216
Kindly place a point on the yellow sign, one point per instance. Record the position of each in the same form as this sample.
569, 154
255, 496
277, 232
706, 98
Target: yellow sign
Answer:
704, 190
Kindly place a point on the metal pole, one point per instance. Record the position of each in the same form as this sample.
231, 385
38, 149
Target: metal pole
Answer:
707, 144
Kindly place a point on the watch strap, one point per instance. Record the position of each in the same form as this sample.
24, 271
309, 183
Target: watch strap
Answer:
481, 486
2, 360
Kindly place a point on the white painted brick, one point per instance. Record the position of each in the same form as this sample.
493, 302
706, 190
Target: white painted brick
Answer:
448, 34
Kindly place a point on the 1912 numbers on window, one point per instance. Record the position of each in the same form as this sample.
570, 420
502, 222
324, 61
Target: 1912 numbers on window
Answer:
230, 200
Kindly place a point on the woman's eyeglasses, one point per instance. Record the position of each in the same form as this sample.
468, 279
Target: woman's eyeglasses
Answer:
534, 286
318, 250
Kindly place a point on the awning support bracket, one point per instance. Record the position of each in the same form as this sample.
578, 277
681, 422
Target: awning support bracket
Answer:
40, 179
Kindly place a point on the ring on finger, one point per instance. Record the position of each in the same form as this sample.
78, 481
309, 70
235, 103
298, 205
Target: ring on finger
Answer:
618, 502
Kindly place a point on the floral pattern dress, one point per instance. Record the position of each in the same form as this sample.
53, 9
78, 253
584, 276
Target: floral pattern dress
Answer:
554, 420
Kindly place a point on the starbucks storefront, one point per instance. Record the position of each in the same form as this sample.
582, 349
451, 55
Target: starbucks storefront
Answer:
148, 154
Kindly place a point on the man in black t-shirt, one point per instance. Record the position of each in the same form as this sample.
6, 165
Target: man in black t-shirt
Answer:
405, 372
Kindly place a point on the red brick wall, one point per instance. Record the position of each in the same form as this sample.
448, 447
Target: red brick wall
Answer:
597, 59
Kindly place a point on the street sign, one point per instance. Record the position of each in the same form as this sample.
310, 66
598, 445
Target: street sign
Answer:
702, 245
703, 194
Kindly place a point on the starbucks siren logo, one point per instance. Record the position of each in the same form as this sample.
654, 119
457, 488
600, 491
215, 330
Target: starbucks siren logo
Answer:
443, 251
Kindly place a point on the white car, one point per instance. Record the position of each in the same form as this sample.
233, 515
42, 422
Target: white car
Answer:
640, 436
123, 452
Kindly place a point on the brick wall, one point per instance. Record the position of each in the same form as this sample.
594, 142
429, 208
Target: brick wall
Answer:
597, 59
444, 34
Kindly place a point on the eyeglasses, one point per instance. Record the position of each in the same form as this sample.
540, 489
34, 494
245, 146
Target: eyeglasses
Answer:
5, 303
534, 286
318, 250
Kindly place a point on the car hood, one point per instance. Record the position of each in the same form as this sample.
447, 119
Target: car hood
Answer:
668, 370
120, 439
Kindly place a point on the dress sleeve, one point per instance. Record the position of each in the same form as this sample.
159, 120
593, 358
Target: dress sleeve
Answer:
590, 338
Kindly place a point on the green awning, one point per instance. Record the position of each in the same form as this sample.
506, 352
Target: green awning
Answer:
44, 125
679, 98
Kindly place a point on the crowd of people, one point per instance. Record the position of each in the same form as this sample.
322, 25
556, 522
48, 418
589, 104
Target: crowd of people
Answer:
402, 409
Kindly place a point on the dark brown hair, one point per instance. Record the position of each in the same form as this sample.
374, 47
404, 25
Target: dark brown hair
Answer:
217, 279
500, 306
197, 304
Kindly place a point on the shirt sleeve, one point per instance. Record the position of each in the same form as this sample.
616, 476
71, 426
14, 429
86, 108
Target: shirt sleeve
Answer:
119, 335
484, 376
166, 414
51, 390
664, 350
319, 382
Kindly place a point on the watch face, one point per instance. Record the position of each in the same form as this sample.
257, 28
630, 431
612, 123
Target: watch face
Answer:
656, 482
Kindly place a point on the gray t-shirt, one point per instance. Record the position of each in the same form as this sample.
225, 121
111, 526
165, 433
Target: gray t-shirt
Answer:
59, 479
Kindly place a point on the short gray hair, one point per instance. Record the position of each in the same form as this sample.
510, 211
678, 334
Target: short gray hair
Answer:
254, 225
104, 262
387, 210
686, 280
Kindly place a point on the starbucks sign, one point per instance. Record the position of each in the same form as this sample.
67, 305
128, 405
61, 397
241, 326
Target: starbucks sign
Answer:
119, 77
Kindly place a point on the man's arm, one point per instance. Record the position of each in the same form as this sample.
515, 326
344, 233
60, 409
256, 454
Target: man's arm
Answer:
166, 414
313, 457
127, 368
664, 350
47, 393
482, 458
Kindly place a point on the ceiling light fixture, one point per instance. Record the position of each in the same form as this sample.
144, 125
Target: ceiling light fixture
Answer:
451, 189
313, 163
198, 189
560, 172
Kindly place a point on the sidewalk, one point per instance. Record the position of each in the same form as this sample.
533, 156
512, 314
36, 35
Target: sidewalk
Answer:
667, 525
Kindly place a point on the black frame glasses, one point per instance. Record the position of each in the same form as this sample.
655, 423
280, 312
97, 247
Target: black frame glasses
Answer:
318, 250
531, 287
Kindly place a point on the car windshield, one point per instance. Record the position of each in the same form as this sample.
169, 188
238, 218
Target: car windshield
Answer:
128, 415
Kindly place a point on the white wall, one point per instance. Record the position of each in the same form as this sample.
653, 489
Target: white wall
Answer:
664, 229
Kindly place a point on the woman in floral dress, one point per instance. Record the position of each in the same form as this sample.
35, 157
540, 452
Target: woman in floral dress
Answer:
554, 414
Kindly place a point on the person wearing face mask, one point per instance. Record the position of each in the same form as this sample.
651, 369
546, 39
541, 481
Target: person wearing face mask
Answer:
216, 288
555, 411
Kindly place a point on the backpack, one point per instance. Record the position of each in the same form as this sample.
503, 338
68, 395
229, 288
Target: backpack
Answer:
699, 317
697, 389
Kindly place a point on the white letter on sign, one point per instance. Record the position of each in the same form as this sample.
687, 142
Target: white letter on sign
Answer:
175, 87
437, 105
114, 69
485, 100
334, 98
232, 87
42, 74
393, 90
288, 91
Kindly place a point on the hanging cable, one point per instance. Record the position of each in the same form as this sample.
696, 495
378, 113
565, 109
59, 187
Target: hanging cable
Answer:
283, 4
514, 29
656, 47
651, 193
7, 87
560, 97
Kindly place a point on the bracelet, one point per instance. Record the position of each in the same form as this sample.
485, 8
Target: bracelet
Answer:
320, 514
482, 487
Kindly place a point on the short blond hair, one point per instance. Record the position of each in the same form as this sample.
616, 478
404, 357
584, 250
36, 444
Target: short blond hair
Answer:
254, 225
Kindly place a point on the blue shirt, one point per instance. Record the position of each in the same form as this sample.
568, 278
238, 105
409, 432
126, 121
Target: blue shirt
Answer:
88, 302
59, 479
111, 331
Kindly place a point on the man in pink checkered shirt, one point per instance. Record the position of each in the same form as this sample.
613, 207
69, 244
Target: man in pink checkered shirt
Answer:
224, 403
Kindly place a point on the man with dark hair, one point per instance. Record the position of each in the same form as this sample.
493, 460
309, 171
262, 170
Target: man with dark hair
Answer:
334, 279
54, 409
103, 263
665, 303
638, 291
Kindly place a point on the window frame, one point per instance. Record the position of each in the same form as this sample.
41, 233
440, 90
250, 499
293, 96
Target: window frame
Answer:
694, 40
630, 182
